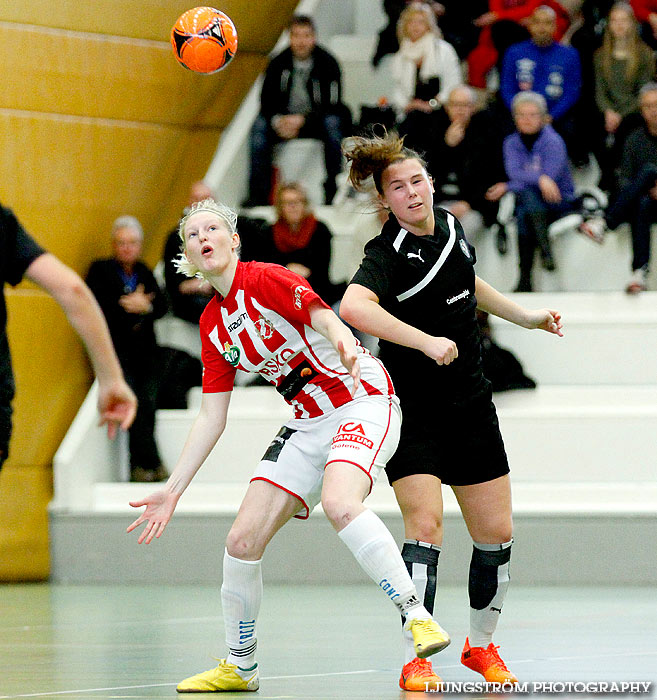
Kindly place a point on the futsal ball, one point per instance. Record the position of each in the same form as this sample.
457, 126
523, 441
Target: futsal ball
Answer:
204, 40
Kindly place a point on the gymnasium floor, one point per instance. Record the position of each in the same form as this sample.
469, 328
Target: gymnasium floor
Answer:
102, 642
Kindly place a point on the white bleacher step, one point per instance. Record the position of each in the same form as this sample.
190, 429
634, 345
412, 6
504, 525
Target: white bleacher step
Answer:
536, 499
552, 433
609, 338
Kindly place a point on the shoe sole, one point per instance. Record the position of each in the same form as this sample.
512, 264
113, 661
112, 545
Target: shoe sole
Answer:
433, 649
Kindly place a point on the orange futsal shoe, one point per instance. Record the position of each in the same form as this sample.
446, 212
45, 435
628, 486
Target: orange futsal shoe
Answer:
487, 662
418, 675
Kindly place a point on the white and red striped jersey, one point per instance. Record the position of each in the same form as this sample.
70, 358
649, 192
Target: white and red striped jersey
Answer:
263, 326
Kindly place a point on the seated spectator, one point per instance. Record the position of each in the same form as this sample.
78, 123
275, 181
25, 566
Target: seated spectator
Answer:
586, 33
301, 98
623, 64
550, 69
636, 198
298, 241
465, 158
502, 26
388, 42
458, 24
424, 71
646, 14
131, 301
538, 172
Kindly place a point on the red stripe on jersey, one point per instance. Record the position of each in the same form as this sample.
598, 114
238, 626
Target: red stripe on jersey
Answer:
302, 402
282, 488
252, 355
335, 388
370, 389
391, 388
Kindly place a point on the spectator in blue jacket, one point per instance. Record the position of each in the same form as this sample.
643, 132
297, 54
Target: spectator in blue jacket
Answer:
544, 66
537, 165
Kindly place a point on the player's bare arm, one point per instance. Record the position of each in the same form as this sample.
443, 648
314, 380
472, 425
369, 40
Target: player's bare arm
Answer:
327, 323
203, 436
116, 401
492, 301
360, 307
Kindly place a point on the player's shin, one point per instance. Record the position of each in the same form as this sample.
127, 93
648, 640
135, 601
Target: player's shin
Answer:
487, 587
241, 595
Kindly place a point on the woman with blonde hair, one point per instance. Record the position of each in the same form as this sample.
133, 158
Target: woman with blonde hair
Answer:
267, 320
416, 290
424, 71
622, 65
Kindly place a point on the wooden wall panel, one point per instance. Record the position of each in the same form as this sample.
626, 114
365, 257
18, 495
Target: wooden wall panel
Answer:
115, 78
97, 120
96, 171
258, 24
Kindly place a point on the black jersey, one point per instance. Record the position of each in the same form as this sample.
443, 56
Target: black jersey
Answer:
429, 283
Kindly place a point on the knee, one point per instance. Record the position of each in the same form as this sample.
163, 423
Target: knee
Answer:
424, 525
339, 512
243, 545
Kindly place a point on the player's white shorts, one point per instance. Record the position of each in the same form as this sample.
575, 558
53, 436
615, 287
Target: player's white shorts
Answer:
364, 433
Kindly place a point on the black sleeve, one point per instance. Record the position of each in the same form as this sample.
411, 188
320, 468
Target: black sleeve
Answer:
21, 250
377, 269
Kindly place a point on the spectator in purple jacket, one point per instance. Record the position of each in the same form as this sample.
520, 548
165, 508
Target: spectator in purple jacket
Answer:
536, 163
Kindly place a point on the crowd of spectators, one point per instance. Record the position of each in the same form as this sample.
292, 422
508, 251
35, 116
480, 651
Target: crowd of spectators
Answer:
455, 70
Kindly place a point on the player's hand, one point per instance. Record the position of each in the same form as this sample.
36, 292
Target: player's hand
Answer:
545, 320
117, 406
349, 359
159, 509
442, 350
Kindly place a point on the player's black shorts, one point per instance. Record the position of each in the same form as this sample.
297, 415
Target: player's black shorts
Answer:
459, 444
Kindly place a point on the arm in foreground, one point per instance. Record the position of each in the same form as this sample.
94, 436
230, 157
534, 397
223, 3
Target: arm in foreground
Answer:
116, 402
207, 428
326, 323
489, 299
360, 307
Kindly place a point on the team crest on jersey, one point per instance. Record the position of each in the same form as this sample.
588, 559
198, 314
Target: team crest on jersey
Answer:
264, 328
231, 354
464, 248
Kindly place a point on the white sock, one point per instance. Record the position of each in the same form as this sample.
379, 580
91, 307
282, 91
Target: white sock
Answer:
376, 551
241, 595
489, 581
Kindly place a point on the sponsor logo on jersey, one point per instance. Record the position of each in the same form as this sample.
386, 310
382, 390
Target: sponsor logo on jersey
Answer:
298, 291
417, 255
237, 323
274, 366
231, 354
352, 432
264, 328
464, 248
456, 298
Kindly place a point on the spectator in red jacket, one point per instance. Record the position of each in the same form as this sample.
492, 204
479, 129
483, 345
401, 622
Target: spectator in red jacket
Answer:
646, 14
